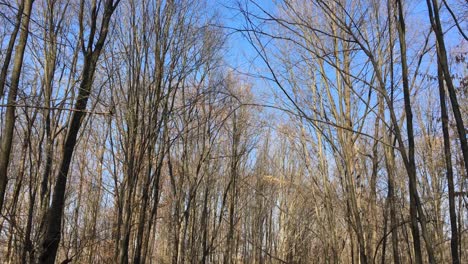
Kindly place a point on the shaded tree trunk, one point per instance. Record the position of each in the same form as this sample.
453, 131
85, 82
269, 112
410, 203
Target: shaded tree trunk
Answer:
448, 164
53, 223
415, 203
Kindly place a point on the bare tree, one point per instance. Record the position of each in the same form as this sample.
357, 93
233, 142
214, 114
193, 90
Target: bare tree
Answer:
24, 15
182, 131
91, 52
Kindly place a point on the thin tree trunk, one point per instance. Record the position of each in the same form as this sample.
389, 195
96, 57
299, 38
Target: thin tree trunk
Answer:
444, 67
9, 51
137, 257
10, 118
233, 191
389, 152
448, 164
415, 204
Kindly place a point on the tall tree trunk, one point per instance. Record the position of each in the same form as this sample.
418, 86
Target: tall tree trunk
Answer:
389, 151
50, 52
233, 191
448, 164
52, 229
390, 165
10, 118
415, 204
434, 17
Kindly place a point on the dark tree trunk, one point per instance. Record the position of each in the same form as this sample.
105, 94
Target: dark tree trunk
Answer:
448, 164
433, 9
415, 205
52, 229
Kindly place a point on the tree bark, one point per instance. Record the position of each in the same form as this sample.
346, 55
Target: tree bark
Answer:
52, 229
448, 164
434, 17
10, 118
415, 204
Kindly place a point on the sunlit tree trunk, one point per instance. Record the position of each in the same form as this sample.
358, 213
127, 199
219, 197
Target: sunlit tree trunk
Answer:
10, 118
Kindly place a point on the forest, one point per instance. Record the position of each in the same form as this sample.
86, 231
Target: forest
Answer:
233, 131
